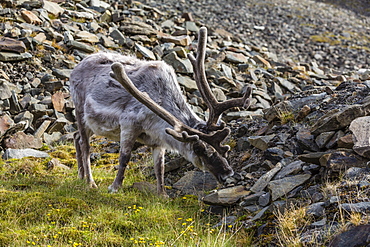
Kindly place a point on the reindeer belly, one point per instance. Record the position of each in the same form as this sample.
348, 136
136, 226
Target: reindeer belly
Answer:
106, 129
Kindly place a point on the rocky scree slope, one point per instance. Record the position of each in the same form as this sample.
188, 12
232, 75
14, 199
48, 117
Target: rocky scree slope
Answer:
307, 124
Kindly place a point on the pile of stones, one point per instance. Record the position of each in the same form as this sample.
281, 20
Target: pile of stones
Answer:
308, 122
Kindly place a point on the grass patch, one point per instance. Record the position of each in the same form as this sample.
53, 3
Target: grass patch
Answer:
51, 207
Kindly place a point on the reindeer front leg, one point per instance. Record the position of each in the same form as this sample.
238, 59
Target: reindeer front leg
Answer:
127, 141
158, 158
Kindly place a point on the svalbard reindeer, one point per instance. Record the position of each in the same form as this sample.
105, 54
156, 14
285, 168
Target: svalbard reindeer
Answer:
127, 100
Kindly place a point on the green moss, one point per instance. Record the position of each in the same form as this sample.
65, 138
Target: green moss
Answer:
41, 207
328, 38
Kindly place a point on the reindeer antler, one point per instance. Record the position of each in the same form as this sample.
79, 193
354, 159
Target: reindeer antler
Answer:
181, 131
215, 108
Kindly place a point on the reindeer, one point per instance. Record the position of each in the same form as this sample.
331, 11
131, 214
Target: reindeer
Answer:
128, 100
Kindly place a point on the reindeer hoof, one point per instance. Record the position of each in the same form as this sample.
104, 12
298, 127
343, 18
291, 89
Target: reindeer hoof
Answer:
93, 185
112, 189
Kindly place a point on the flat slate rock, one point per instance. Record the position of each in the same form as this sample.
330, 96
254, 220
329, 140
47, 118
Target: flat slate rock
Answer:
356, 236
22, 153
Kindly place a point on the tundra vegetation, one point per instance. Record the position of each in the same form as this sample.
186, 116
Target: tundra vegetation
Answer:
43, 206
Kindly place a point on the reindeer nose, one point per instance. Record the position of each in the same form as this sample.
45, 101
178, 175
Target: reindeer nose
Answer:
222, 177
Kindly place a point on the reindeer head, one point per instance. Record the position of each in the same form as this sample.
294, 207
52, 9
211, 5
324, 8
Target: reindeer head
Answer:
206, 141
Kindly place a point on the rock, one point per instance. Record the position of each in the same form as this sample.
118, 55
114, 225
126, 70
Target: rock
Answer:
30, 17
360, 128
226, 221
85, 36
277, 110
58, 125
137, 28
20, 140
80, 15
72, 44
283, 186
260, 142
189, 84
144, 52
118, 36
339, 161
337, 119
182, 66
333, 142
226, 197
42, 128
191, 26
264, 180
55, 163
274, 154
52, 138
196, 183
108, 42
14, 57
62, 73
183, 40
306, 140
243, 115
316, 209
356, 236
260, 214
5, 91
251, 199
58, 101
237, 58
12, 45
53, 8
313, 158
260, 60
290, 169
5, 123
22, 153
264, 199
323, 138
360, 207
303, 112
291, 87
355, 172
346, 141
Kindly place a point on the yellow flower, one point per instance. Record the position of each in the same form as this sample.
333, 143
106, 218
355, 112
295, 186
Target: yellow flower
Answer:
179, 218
189, 219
